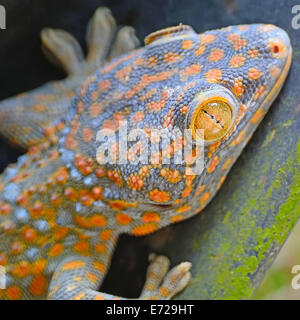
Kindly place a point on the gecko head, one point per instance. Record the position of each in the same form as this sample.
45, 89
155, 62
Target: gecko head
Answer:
242, 71
226, 82
217, 85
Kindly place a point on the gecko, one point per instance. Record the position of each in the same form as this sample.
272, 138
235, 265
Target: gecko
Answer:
62, 208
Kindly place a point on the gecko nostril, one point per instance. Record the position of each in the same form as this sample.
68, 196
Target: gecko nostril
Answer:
275, 49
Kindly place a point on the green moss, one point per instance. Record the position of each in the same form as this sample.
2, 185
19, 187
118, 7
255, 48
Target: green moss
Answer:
286, 218
245, 245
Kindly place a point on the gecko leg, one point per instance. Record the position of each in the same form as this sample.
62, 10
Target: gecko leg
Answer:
103, 40
162, 284
79, 278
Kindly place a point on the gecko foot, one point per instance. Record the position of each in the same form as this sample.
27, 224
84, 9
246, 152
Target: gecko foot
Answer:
104, 43
162, 284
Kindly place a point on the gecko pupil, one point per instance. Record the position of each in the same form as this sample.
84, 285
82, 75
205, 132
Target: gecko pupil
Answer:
215, 119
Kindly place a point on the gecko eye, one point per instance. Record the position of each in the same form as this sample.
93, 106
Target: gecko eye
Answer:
215, 118
212, 111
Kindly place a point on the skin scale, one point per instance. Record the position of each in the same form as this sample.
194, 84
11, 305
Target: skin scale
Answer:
61, 212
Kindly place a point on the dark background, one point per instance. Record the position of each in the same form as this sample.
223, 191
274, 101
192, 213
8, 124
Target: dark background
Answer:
23, 67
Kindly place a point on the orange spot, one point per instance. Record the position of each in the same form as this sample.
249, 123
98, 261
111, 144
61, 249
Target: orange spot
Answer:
238, 139
13, 293
260, 91
150, 93
216, 55
104, 85
151, 61
38, 108
257, 116
82, 247
115, 176
83, 164
147, 79
56, 250
60, 233
184, 208
99, 266
205, 197
200, 189
100, 172
37, 209
165, 292
200, 50
155, 106
159, 196
213, 147
172, 57
184, 109
99, 297
237, 41
124, 73
95, 109
62, 176
87, 134
39, 266
135, 182
187, 44
221, 182
97, 193
121, 204
79, 296
29, 234
123, 219
98, 220
274, 71
71, 194
237, 61
150, 217
3, 259
138, 116
92, 277
77, 264
38, 285
191, 70
254, 73
100, 248
213, 75
253, 53
4, 208
105, 235
82, 222
21, 270
238, 87
177, 218
171, 175
187, 191
213, 164
86, 197
17, 247
55, 199
226, 164
207, 38
144, 229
